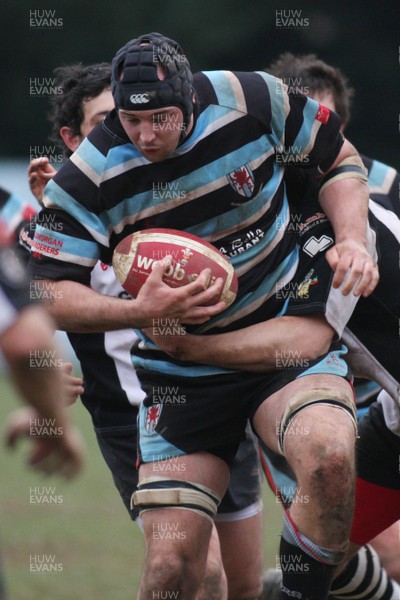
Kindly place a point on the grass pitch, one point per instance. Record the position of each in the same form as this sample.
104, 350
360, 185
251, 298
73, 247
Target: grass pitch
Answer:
79, 542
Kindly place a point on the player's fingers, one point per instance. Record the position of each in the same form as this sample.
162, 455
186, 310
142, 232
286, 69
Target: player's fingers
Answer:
159, 267
342, 271
17, 426
354, 279
210, 295
47, 463
13, 433
369, 282
332, 256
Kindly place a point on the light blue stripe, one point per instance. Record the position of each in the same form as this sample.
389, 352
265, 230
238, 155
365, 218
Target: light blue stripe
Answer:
60, 199
12, 207
222, 88
120, 155
303, 137
165, 367
68, 244
91, 156
328, 366
377, 174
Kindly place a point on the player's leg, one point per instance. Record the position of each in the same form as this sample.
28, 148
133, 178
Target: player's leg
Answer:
242, 551
185, 450
318, 440
119, 448
378, 480
364, 576
177, 522
240, 524
387, 545
214, 585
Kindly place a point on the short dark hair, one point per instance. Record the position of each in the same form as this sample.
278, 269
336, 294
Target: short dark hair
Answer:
77, 84
317, 76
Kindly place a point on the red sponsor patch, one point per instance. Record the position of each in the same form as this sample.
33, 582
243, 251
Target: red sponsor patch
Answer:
323, 114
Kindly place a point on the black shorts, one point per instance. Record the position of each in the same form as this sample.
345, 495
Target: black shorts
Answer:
182, 415
118, 446
378, 477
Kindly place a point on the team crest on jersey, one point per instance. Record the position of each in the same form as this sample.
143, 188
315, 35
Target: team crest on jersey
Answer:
242, 181
152, 417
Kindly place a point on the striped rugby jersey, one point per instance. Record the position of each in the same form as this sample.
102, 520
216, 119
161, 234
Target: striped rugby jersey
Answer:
224, 183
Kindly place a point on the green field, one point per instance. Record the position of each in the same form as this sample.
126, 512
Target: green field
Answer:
85, 537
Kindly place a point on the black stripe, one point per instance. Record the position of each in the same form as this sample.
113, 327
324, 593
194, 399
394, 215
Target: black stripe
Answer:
172, 483
343, 169
205, 93
166, 505
256, 89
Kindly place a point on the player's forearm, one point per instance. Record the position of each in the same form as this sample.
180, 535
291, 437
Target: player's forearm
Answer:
345, 199
35, 364
346, 205
264, 347
79, 309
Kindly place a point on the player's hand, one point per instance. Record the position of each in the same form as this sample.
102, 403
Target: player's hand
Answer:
40, 172
61, 454
158, 300
73, 386
354, 267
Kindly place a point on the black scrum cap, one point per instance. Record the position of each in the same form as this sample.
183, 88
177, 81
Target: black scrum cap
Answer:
134, 81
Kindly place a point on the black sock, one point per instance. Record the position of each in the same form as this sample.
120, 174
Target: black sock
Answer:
303, 577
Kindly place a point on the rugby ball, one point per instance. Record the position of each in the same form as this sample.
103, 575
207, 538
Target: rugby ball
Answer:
136, 255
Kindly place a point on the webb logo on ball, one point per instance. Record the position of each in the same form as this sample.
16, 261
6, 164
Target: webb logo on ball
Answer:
137, 255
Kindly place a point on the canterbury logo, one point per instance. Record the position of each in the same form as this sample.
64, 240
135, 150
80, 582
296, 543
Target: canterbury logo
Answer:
139, 98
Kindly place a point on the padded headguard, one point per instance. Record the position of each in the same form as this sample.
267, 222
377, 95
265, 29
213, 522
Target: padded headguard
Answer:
134, 81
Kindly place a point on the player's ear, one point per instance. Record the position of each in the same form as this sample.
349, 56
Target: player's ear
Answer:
70, 139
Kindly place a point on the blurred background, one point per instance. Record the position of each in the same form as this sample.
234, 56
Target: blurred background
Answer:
88, 533
362, 38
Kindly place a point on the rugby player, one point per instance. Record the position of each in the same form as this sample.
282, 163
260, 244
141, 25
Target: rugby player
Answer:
238, 109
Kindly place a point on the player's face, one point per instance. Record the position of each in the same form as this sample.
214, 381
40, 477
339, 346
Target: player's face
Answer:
155, 133
94, 111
